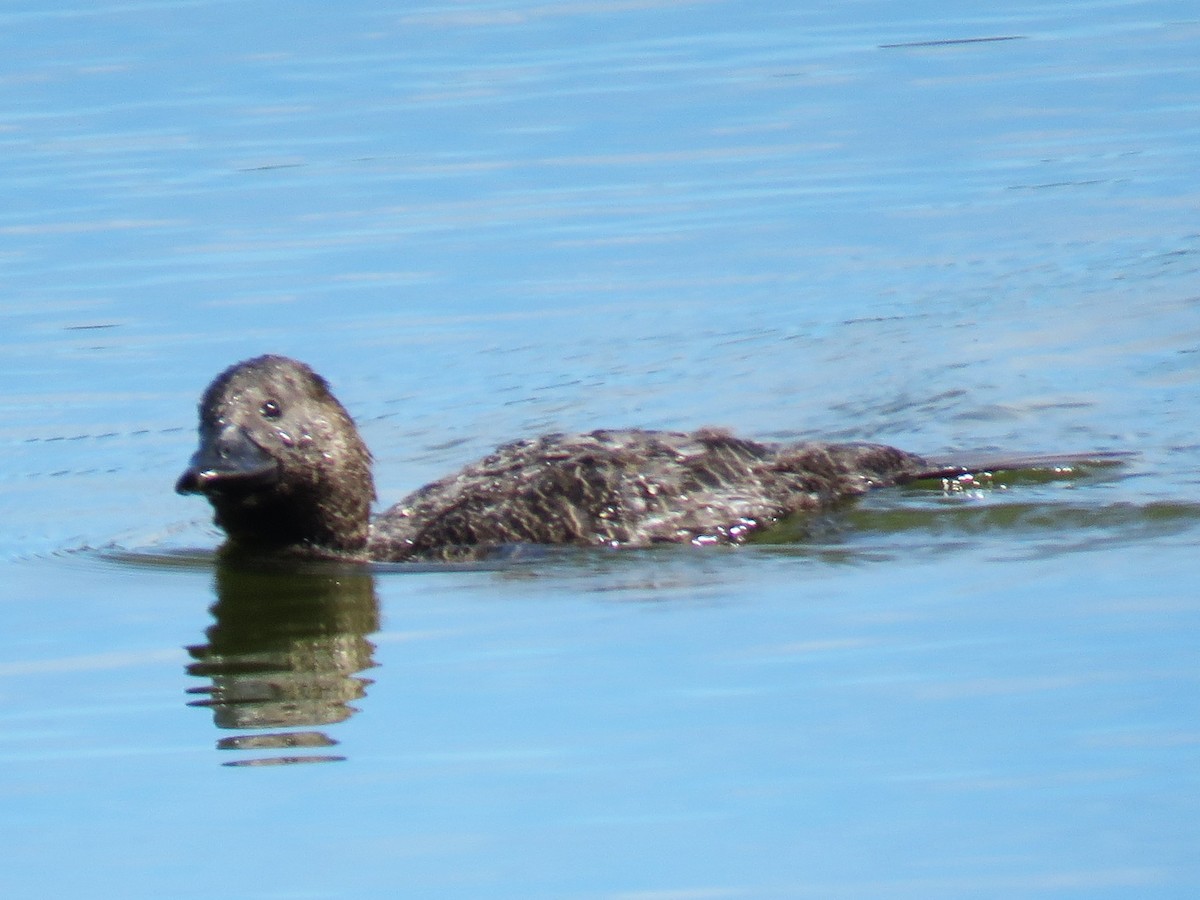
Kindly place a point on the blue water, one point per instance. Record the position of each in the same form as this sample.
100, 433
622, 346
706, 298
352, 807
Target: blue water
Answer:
481, 221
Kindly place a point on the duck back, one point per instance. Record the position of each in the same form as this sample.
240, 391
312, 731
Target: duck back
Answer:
630, 488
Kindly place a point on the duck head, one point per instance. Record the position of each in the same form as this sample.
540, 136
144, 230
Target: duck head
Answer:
281, 461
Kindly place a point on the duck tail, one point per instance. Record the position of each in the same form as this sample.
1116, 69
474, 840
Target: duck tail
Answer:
976, 464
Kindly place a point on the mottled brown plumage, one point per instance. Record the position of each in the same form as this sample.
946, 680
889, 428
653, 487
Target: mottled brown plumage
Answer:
630, 489
286, 471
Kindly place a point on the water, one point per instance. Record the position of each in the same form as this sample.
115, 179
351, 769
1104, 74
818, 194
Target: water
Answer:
482, 221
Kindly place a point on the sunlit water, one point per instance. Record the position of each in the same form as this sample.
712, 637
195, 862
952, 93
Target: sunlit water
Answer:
482, 221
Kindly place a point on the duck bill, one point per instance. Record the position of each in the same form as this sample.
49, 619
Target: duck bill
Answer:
228, 460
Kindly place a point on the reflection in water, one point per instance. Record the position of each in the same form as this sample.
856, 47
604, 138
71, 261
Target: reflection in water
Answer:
284, 652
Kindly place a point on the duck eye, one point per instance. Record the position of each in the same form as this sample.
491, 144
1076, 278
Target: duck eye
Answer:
271, 409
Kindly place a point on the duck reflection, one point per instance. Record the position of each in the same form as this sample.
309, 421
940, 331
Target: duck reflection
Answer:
285, 652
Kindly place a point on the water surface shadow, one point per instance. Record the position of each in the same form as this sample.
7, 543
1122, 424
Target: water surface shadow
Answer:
285, 651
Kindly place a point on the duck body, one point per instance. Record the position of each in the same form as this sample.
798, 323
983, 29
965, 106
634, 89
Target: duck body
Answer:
286, 471
630, 489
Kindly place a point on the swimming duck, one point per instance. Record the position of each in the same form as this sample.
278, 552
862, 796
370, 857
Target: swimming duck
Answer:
285, 469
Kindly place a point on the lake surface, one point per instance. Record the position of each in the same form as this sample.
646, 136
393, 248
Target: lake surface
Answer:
948, 231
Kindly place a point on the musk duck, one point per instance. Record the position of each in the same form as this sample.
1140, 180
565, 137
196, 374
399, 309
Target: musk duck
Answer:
286, 471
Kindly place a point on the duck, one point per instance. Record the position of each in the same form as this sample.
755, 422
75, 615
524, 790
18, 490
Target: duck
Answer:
286, 471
